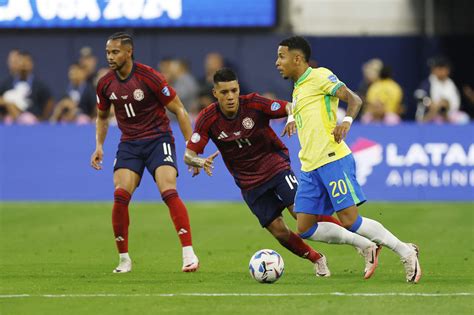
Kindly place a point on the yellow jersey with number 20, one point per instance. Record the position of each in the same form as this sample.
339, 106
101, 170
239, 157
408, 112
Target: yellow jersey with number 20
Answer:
314, 109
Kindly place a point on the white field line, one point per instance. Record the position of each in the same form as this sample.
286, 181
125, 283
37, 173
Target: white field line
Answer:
10, 296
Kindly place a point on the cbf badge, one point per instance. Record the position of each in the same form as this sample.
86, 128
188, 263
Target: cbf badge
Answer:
138, 95
248, 123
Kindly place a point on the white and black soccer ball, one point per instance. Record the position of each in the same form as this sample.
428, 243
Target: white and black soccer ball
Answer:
266, 266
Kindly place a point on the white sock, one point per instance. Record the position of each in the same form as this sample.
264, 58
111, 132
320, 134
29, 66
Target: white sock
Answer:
124, 256
377, 233
188, 252
334, 234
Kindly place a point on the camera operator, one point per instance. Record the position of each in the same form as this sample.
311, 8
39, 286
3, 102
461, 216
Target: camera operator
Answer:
438, 98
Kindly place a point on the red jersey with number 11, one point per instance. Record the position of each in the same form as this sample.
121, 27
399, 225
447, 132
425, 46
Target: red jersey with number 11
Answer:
139, 102
251, 150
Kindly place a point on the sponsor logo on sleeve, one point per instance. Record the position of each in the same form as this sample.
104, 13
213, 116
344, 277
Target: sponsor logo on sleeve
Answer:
275, 106
195, 138
166, 91
333, 78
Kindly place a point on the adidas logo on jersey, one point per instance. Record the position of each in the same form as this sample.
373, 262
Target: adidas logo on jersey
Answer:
222, 135
182, 231
168, 159
113, 97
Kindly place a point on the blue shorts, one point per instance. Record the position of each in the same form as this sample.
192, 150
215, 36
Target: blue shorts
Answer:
331, 187
268, 200
152, 153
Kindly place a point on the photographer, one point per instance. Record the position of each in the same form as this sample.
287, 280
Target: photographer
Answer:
438, 98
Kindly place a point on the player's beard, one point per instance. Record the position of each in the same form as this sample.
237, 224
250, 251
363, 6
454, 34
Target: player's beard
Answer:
119, 66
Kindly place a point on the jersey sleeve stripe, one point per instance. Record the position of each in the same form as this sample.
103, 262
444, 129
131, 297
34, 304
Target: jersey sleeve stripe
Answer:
253, 102
151, 77
262, 99
202, 119
104, 81
336, 87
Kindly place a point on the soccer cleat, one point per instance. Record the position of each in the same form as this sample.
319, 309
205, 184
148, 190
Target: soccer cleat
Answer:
371, 255
190, 264
125, 265
321, 267
412, 265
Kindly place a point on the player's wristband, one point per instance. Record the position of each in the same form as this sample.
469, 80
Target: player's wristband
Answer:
290, 119
348, 119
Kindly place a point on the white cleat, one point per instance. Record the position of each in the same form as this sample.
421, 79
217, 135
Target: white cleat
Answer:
412, 265
321, 267
371, 256
125, 265
190, 264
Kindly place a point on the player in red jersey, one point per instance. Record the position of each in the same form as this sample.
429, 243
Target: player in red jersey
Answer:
255, 156
140, 95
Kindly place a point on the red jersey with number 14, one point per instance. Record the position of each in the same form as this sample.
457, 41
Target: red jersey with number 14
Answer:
139, 102
251, 150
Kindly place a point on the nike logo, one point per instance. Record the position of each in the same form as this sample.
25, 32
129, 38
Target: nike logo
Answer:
341, 200
372, 259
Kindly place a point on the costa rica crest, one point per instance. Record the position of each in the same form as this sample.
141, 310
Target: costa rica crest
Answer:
248, 123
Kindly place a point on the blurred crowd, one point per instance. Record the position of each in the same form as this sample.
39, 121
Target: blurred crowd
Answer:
25, 99
437, 99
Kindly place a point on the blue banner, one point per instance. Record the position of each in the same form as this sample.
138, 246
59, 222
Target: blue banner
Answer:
136, 13
415, 162
403, 163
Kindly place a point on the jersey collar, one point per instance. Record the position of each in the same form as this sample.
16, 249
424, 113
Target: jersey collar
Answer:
129, 75
229, 118
304, 76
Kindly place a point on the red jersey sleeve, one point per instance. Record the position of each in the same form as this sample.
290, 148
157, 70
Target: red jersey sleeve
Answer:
200, 136
103, 103
158, 85
272, 108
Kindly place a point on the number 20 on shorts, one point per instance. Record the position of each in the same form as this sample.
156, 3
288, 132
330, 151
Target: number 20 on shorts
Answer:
338, 188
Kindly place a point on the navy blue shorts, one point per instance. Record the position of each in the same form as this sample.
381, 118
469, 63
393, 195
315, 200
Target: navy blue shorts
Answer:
268, 200
152, 153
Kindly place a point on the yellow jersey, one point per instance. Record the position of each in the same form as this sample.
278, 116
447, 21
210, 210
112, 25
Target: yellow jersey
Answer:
387, 92
314, 108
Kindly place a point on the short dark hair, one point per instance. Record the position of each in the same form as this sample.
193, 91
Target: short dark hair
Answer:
439, 62
125, 39
224, 75
298, 42
386, 72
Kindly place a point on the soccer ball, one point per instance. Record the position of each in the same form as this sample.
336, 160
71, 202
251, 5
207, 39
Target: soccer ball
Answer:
266, 266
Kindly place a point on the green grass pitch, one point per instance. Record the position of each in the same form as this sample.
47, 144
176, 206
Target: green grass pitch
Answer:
57, 258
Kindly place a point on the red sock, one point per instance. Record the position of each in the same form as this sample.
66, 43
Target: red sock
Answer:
179, 215
328, 218
297, 246
120, 219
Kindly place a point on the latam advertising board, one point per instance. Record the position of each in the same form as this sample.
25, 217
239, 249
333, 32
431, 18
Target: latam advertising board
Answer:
137, 13
413, 162
408, 162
